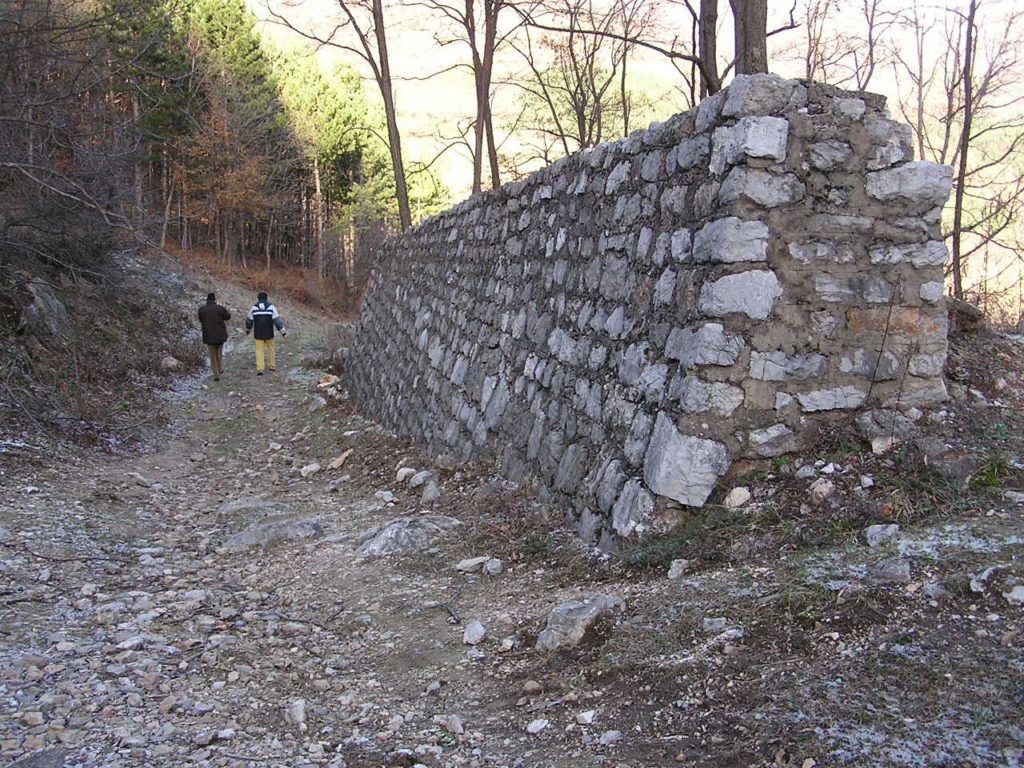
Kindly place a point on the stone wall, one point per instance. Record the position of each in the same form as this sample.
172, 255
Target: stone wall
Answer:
622, 325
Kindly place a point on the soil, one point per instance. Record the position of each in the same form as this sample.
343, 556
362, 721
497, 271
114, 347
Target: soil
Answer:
131, 637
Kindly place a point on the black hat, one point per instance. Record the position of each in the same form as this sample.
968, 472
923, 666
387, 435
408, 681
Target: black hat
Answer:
211, 296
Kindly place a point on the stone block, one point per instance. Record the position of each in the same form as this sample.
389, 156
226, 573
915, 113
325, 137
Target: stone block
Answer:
762, 94
632, 509
930, 254
838, 398
932, 291
778, 366
917, 182
828, 155
758, 137
683, 467
873, 290
871, 365
618, 177
752, 293
822, 252
707, 345
772, 441
731, 240
762, 187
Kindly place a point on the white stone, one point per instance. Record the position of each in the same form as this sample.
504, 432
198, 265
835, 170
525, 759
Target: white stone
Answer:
821, 252
851, 109
420, 478
932, 291
677, 568
707, 345
927, 365
1015, 595
762, 187
617, 177
930, 254
760, 137
472, 564
404, 474
772, 441
567, 623
731, 240
761, 94
633, 507
536, 726
474, 633
831, 399
752, 293
683, 467
295, 713
826, 155
310, 469
917, 182
586, 717
778, 366
737, 497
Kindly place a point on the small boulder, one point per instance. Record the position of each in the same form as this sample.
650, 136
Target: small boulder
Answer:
474, 633
568, 622
736, 498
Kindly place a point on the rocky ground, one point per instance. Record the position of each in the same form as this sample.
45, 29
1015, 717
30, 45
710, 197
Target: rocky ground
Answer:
281, 583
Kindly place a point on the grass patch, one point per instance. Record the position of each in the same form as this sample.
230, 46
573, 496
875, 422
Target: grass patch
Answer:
705, 537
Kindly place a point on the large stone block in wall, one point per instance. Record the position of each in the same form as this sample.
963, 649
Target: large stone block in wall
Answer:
618, 327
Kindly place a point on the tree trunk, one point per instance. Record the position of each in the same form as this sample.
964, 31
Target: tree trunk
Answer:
710, 83
751, 34
491, 9
394, 137
965, 143
139, 175
266, 248
318, 218
167, 213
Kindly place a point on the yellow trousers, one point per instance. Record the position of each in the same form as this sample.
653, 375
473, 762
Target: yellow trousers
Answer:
264, 345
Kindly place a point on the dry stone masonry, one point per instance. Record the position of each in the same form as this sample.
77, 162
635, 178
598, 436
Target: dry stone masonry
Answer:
622, 325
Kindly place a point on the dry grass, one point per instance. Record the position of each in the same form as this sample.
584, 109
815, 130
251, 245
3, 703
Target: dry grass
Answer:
326, 295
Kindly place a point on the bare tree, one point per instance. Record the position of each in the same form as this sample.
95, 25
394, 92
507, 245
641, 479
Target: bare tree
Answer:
361, 30
961, 95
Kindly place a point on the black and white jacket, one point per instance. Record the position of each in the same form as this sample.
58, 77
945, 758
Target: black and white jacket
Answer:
263, 319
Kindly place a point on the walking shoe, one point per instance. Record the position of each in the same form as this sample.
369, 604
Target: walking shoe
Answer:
216, 378
259, 373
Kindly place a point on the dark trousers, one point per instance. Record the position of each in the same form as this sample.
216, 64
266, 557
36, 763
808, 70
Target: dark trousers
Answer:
216, 359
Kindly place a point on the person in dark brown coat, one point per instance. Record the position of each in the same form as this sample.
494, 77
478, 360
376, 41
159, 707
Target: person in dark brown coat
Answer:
213, 318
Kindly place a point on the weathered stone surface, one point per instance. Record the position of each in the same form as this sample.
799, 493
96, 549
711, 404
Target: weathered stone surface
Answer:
917, 182
731, 240
758, 95
403, 535
273, 532
778, 366
772, 441
683, 467
832, 399
762, 187
827, 155
752, 293
725, 271
632, 509
707, 345
568, 623
45, 315
930, 254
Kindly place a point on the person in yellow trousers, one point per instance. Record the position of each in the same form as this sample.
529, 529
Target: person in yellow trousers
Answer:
262, 320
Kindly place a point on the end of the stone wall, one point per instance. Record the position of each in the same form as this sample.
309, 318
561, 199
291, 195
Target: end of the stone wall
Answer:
622, 325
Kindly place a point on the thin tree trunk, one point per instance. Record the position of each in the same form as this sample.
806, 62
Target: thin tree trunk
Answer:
965, 143
318, 217
266, 250
167, 214
708, 48
139, 176
394, 137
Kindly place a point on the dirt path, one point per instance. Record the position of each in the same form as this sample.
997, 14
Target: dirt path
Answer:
132, 637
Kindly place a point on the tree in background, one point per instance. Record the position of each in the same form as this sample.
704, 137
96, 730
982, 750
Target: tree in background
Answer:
960, 90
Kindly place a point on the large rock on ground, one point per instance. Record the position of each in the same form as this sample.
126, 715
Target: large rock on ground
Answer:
403, 535
273, 532
568, 622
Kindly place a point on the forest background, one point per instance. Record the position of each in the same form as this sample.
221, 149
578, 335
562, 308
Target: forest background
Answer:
295, 135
